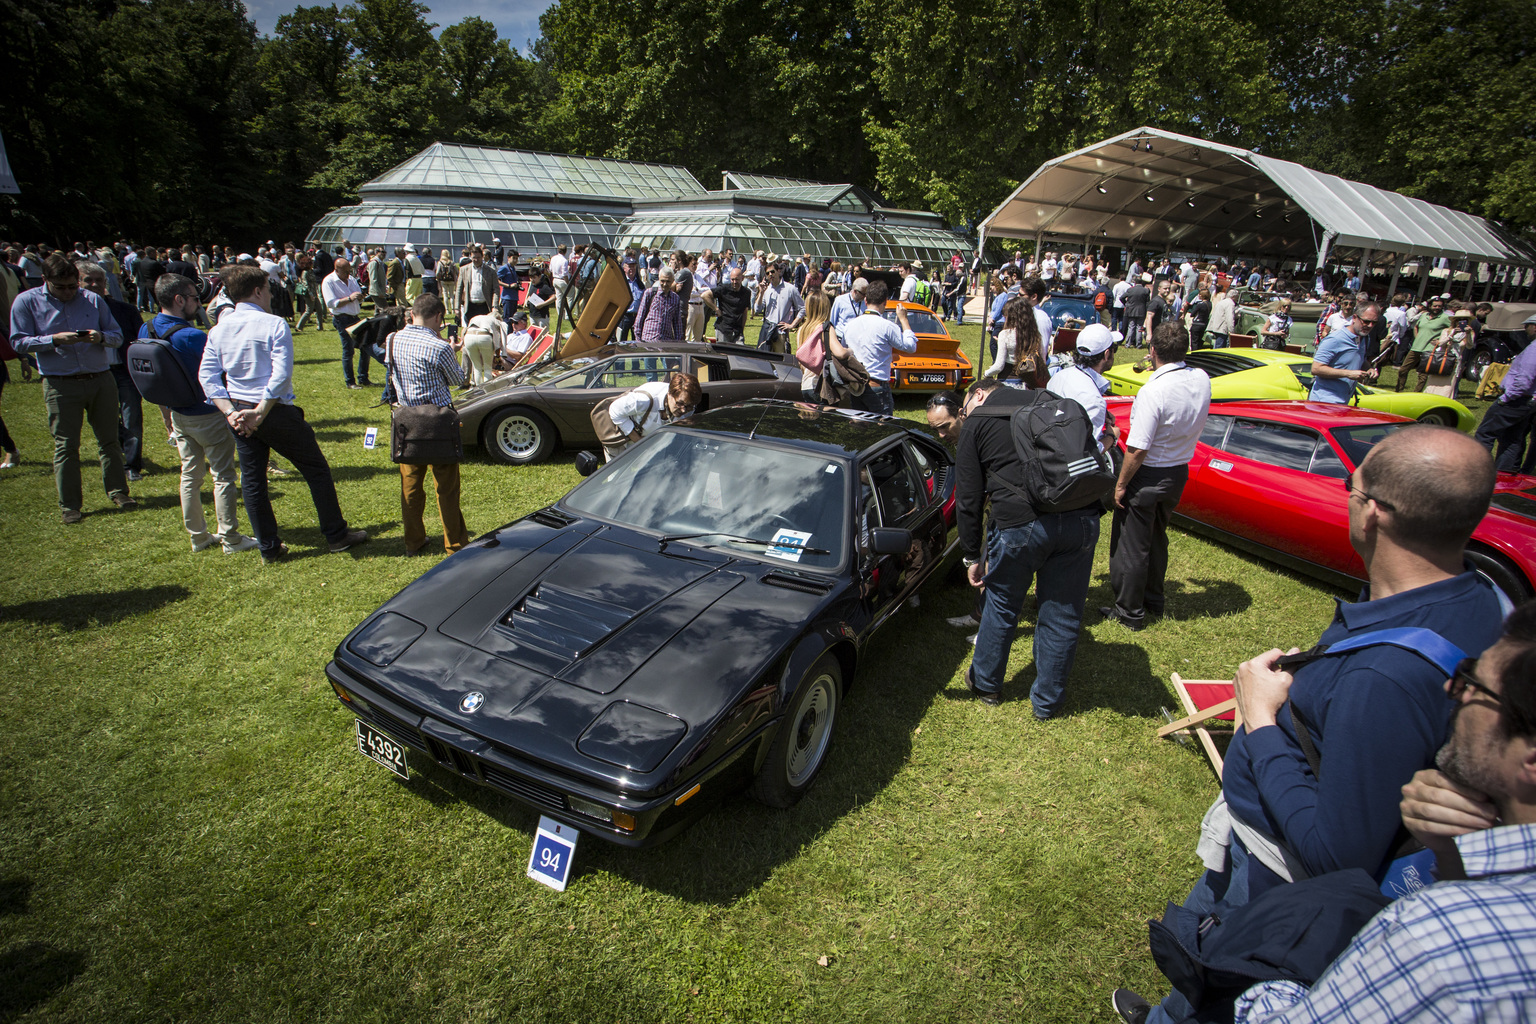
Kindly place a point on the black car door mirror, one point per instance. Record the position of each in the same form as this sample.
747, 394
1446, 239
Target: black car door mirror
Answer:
886, 540
587, 463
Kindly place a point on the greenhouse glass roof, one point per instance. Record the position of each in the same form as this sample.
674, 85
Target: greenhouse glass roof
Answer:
449, 167
743, 179
443, 226
746, 232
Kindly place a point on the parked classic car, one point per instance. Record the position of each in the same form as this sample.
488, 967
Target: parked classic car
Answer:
938, 363
1267, 477
523, 416
1502, 338
684, 622
1260, 373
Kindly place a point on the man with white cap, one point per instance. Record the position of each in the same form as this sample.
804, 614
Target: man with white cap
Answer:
1507, 420
1084, 381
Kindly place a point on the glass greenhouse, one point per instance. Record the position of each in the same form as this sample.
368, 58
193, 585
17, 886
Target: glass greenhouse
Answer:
450, 195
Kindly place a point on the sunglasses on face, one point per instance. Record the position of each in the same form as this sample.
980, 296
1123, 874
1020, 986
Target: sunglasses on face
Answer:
1350, 488
1463, 680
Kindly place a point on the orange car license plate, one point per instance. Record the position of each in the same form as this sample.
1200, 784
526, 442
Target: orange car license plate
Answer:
927, 378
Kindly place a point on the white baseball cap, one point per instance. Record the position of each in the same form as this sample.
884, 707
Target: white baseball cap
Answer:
1095, 339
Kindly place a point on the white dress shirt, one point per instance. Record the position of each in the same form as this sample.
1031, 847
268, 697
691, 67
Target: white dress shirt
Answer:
872, 338
559, 266
338, 295
909, 289
253, 351
1168, 414
627, 410
1397, 321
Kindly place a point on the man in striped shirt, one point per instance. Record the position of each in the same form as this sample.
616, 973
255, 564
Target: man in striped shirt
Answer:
425, 369
1465, 949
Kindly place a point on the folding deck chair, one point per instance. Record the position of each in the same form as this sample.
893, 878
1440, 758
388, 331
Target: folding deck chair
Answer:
1206, 701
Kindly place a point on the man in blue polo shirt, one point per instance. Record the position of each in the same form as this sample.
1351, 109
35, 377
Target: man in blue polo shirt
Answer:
199, 432
1375, 715
1340, 360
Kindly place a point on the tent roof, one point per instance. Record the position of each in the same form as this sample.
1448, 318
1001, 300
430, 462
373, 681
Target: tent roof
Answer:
1154, 188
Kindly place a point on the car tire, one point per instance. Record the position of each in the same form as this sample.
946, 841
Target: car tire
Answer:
1480, 361
1439, 417
1498, 571
518, 436
804, 736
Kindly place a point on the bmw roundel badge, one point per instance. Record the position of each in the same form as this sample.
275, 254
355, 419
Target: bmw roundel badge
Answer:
471, 702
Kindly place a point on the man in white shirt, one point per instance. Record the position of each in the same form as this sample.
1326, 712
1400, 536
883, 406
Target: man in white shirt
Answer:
477, 287
1396, 316
344, 299
1166, 419
1118, 292
872, 338
247, 374
754, 269
1048, 268
646, 408
1084, 381
908, 282
519, 338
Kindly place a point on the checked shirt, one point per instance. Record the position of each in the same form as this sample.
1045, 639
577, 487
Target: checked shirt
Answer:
1457, 951
424, 367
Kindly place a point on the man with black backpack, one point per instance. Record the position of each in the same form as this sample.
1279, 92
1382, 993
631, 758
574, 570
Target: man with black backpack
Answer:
1038, 459
196, 428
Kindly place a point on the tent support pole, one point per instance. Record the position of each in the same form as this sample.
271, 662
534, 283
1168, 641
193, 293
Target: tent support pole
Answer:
986, 302
1424, 262
1471, 278
1397, 269
1365, 267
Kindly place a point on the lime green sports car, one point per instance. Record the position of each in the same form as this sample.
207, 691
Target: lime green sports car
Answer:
1261, 373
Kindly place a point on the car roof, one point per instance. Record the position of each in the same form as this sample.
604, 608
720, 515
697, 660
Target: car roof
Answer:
1321, 415
1509, 316
819, 429
680, 347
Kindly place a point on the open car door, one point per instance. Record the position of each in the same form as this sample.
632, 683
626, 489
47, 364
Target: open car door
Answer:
596, 300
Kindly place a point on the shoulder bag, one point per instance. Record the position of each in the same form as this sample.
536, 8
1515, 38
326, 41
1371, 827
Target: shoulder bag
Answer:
608, 432
422, 435
812, 353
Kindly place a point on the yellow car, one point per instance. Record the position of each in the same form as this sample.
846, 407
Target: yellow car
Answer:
1262, 373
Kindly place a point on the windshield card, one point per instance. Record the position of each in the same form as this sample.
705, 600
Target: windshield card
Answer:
554, 848
370, 437
788, 545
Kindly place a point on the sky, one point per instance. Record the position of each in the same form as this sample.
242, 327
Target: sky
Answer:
515, 20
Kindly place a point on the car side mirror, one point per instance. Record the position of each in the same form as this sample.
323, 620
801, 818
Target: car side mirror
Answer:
885, 540
587, 463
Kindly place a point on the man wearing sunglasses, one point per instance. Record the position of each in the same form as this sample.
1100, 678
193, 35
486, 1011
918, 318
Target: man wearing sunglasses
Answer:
1340, 360
1464, 951
1374, 715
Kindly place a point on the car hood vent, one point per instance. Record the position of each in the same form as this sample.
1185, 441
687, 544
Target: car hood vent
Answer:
802, 582
553, 517
562, 623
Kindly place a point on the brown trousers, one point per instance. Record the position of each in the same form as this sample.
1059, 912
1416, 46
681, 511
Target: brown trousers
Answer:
413, 502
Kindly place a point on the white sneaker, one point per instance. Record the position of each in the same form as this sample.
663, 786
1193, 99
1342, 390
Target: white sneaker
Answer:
963, 622
972, 638
205, 544
243, 544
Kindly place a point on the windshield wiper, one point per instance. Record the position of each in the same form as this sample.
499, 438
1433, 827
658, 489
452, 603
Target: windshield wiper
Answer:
793, 545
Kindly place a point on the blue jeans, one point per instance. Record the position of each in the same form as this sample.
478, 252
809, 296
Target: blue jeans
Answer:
342, 322
876, 398
1218, 340
1214, 893
1055, 552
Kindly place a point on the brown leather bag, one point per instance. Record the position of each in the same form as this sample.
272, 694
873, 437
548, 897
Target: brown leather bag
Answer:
423, 435
608, 432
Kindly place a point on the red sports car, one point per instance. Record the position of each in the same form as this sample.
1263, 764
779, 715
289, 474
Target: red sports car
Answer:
1268, 477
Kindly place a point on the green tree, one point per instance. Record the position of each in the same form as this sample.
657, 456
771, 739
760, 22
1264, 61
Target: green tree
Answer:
495, 93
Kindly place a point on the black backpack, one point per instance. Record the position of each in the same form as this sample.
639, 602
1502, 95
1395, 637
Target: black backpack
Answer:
158, 372
1064, 467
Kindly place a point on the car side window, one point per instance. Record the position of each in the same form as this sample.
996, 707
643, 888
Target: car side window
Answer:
632, 371
1277, 444
1326, 462
1215, 432
929, 470
894, 484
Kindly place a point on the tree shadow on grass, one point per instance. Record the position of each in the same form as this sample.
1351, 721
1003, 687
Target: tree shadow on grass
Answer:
309, 542
15, 895
1186, 599
85, 611
338, 421
33, 973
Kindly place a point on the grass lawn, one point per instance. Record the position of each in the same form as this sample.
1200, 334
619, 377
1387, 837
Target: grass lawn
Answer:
188, 833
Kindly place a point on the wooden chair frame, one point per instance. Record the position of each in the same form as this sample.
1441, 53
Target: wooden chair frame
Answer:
1197, 719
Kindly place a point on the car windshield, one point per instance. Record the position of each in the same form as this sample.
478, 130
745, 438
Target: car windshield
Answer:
554, 369
1358, 441
726, 494
922, 323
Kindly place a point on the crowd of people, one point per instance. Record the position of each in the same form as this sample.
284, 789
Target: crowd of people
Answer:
1414, 714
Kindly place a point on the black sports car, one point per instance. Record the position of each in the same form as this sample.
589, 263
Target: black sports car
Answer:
683, 622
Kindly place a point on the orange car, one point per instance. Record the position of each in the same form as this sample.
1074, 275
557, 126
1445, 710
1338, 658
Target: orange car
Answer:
938, 362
